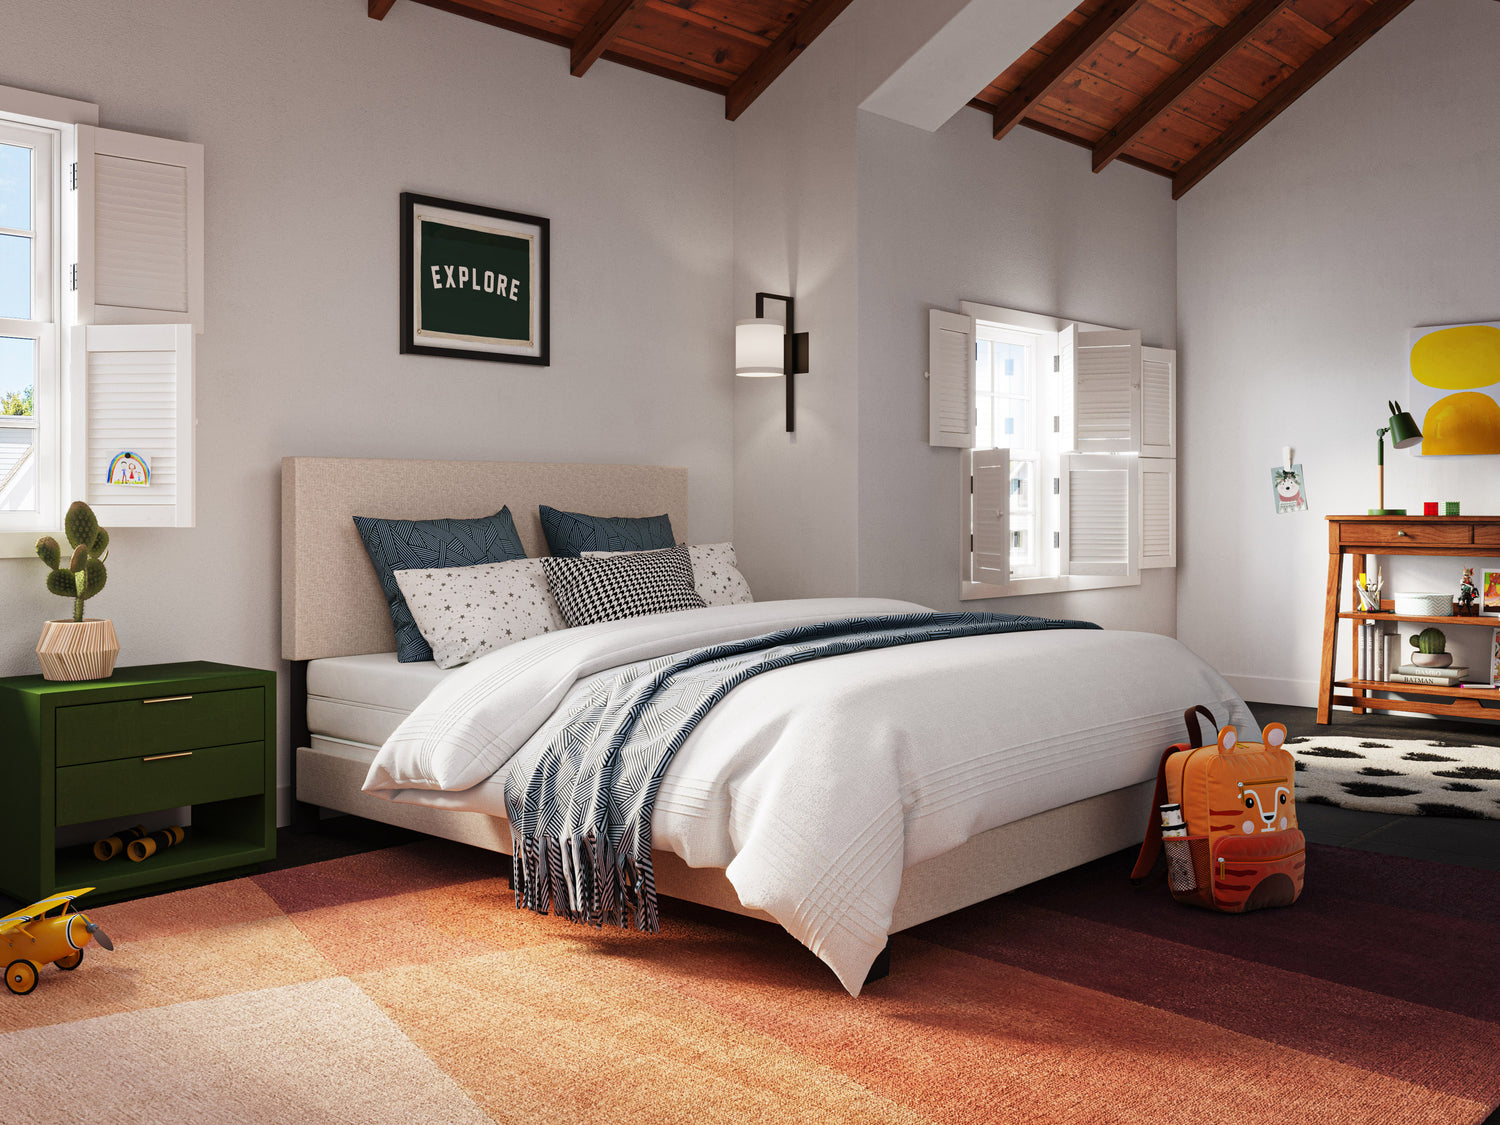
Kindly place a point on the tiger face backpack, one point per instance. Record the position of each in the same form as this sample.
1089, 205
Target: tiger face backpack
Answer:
1241, 849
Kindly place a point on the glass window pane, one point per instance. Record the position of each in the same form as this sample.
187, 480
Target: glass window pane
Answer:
15, 187
15, 276
17, 374
1010, 369
1021, 543
17, 430
1021, 474
982, 367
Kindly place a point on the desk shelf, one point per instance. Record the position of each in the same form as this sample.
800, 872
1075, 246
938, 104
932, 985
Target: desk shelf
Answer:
1363, 536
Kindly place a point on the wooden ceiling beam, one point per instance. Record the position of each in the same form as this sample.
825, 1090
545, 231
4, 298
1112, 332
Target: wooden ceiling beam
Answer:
1240, 29
606, 22
478, 10
378, 8
1047, 77
783, 51
1380, 13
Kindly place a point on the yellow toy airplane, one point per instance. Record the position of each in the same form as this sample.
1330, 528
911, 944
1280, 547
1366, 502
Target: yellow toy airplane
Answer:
46, 932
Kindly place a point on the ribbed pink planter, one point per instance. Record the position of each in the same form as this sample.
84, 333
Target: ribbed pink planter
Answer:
78, 650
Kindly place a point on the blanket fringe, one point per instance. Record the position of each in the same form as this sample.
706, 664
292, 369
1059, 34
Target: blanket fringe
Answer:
583, 879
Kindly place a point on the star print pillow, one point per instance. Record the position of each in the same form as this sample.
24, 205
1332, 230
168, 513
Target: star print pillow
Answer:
464, 612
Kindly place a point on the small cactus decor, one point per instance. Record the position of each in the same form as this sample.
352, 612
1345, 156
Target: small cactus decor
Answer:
1429, 641
84, 576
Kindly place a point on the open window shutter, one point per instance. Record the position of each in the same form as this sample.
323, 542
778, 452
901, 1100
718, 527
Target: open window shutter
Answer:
1061, 392
137, 233
1099, 498
1158, 402
131, 387
990, 521
950, 379
1107, 392
1158, 511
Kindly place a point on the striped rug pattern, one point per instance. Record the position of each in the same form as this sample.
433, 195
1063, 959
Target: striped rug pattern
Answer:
401, 986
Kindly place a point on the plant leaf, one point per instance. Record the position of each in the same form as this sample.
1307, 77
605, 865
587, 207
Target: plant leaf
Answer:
48, 551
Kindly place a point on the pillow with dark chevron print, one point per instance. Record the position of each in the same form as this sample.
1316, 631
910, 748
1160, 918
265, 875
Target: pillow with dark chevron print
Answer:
424, 545
625, 585
569, 534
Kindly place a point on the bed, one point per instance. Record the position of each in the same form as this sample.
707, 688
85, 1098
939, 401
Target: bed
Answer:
350, 694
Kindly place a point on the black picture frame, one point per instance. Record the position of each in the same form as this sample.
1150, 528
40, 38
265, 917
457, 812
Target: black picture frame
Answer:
462, 283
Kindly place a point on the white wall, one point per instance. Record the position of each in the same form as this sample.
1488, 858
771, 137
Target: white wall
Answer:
314, 119
1021, 223
1364, 210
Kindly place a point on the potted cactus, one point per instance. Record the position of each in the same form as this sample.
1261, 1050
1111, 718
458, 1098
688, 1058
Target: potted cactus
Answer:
77, 648
1431, 648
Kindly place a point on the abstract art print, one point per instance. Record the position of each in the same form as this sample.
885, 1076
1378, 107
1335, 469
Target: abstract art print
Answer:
1455, 385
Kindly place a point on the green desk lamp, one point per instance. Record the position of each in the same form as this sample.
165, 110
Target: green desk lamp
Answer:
1404, 434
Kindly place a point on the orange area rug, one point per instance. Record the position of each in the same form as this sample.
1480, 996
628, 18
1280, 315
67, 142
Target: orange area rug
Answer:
402, 986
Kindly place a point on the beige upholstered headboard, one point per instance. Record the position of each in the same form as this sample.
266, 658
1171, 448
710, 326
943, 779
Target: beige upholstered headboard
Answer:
331, 602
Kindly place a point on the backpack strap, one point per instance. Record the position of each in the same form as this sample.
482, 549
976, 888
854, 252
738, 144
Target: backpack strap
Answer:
1195, 734
1151, 844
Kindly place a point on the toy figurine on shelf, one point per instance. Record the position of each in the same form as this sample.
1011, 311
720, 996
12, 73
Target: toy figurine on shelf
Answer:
1467, 592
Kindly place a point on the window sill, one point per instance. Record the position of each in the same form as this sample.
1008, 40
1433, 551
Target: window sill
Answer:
22, 544
977, 591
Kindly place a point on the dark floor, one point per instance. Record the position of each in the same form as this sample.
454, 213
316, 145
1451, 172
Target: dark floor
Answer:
1462, 842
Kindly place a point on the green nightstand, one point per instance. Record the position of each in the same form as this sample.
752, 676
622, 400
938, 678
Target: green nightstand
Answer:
158, 736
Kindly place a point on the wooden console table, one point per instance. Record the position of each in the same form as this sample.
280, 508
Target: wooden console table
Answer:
1359, 536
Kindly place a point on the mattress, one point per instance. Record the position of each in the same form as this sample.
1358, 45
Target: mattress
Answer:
364, 698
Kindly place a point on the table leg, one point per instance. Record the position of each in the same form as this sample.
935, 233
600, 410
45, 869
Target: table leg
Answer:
1330, 637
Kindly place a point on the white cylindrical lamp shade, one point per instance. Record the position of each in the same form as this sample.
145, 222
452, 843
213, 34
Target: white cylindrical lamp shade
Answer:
759, 348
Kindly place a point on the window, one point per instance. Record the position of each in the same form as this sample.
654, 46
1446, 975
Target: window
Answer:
101, 269
1067, 462
29, 405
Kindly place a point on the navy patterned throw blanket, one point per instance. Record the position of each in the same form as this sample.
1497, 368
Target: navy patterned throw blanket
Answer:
580, 808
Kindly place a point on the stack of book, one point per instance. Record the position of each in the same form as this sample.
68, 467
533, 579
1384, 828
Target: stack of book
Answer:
1421, 674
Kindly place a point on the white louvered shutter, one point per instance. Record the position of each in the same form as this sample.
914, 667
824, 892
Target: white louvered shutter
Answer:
990, 520
1099, 499
131, 387
137, 234
1107, 392
950, 379
1158, 511
1158, 402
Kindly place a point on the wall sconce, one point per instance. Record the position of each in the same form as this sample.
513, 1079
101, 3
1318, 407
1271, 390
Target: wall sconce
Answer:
1404, 433
765, 348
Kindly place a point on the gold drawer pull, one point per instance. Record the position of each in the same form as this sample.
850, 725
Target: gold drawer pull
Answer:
160, 757
175, 698
1402, 534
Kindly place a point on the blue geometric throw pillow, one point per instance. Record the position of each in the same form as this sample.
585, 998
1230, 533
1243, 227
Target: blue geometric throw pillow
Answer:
569, 534
423, 545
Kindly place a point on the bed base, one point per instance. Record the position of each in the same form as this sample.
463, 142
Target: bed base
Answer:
330, 774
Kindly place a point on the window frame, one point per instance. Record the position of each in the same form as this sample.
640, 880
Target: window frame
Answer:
1036, 324
45, 232
30, 112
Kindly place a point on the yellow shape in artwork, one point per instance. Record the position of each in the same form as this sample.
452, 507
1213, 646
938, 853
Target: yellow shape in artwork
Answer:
1457, 359
1468, 422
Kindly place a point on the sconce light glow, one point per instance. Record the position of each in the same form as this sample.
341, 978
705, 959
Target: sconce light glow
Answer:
760, 348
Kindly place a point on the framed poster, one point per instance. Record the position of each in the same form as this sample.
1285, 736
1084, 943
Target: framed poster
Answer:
1454, 391
1489, 591
474, 281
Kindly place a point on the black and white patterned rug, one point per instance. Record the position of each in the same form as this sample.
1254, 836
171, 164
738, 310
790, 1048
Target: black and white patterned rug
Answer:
1418, 777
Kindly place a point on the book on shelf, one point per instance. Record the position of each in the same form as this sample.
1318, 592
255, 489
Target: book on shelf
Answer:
1430, 681
1452, 672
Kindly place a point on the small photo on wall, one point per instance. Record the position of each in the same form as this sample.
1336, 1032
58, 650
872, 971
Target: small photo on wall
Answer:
1288, 490
1489, 591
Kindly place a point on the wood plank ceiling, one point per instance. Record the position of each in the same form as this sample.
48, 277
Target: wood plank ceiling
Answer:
1171, 86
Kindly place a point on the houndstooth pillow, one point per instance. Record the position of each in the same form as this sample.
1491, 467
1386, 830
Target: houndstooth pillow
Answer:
625, 584
464, 612
716, 576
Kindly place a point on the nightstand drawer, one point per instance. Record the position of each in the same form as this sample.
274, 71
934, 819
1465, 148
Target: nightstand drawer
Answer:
134, 785
164, 724
1404, 534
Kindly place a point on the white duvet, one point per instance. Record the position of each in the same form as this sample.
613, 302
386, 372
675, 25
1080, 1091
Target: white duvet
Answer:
814, 786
